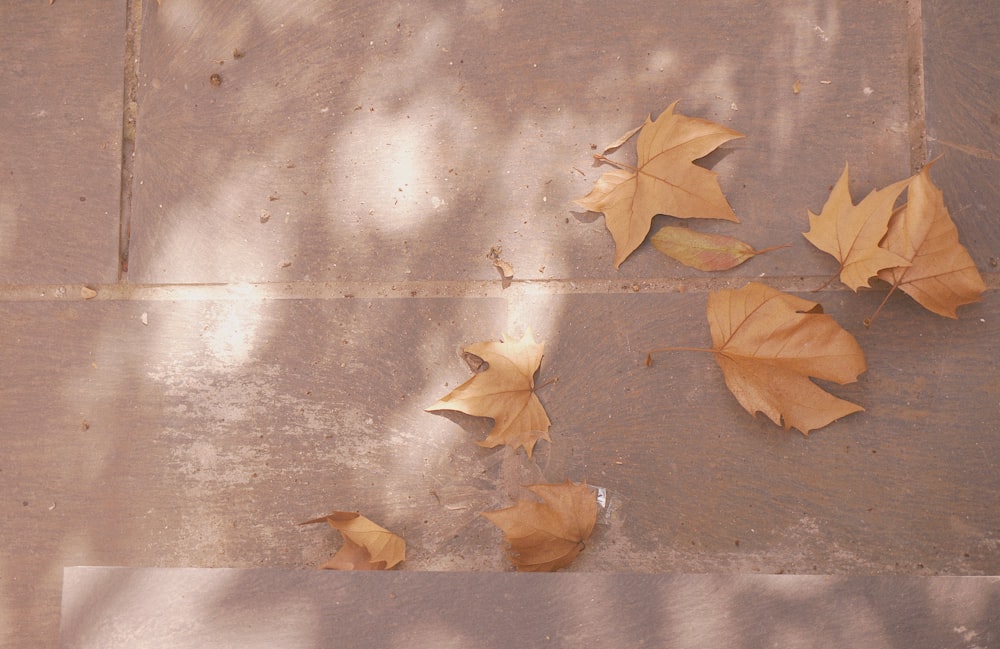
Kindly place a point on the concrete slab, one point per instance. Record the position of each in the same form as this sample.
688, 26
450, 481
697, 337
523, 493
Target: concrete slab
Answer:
360, 162
178, 608
963, 121
192, 432
390, 142
60, 146
702, 486
151, 433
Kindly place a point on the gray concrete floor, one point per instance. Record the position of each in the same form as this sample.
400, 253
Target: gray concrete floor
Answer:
182, 608
288, 262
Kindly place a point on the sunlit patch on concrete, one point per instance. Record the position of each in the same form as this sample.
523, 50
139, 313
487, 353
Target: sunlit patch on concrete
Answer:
8, 226
395, 186
231, 329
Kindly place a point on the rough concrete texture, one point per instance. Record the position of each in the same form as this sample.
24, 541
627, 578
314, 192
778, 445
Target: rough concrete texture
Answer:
239, 261
179, 608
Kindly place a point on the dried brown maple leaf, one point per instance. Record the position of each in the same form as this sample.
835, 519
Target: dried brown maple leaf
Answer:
367, 546
769, 343
942, 275
504, 392
665, 181
547, 536
851, 233
704, 251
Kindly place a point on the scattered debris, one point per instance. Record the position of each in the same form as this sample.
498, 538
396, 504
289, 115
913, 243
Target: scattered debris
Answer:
87, 293
215, 79
505, 268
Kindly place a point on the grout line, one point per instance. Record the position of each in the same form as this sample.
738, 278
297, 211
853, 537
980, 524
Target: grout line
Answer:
123, 292
365, 289
973, 151
133, 35
915, 81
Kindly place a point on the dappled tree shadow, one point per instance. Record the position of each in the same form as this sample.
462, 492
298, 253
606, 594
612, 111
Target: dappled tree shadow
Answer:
309, 255
185, 608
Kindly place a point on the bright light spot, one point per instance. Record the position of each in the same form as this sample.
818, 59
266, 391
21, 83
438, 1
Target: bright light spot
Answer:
541, 313
431, 635
390, 180
231, 330
662, 60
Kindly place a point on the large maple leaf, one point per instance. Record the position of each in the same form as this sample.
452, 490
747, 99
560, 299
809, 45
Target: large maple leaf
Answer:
769, 343
665, 180
851, 233
367, 546
942, 275
547, 536
505, 392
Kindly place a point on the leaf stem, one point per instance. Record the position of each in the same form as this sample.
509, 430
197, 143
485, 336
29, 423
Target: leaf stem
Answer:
771, 249
600, 157
649, 356
868, 321
554, 379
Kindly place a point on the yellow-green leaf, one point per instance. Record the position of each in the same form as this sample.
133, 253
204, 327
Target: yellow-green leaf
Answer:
704, 251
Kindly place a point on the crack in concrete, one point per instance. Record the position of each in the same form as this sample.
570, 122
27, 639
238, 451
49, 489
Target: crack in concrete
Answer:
130, 108
368, 290
915, 80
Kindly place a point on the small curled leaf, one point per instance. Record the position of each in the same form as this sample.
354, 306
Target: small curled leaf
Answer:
367, 545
